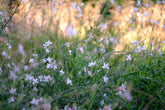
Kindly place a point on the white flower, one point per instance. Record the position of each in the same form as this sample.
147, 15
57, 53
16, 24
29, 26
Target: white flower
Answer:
55, 67
102, 102
105, 66
163, 26
80, 15
44, 60
11, 99
13, 76
61, 72
31, 60
47, 78
21, 50
68, 81
81, 49
146, 5
49, 66
70, 31
139, 3
34, 101
105, 79
12, 91
119, 8
78, 9
103, 26
74, 5
102, 50
163, 41
49, 59
70, 52
115, 23
89, 73
67, 44
128, 57
29, 77
82, 4
35, 81
34, 55
9, 46
112, 1
92, 64
4, 54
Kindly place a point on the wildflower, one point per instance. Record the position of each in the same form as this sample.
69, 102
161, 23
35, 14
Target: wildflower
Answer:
80, 15
82, 4
0, 71
70, 31
4, 54
47, 78
119, 8
48, 66
107, 107
29, 77
115, 23
67, 44
74, 5
34, 101
89, 73
163, 41
92, 64
55, 67
68, 81
102, 102
12, 91
44, 60
11, 99
81, 49
31, 60
78, 9
139, 3
151, 21
157, 22
35, 81
163, 26
9, 46
102, 50
105, 79
70, 52
49, 59
128, 57
158, 2
13, 76
146, 5
112, 1
34, 55
61, 72
21, 50
105, 66
103, 26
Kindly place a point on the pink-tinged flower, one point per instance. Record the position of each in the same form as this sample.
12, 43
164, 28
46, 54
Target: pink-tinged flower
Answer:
11, 99
61, 72
68, 81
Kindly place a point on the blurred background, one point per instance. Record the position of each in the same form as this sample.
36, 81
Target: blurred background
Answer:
130, 18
